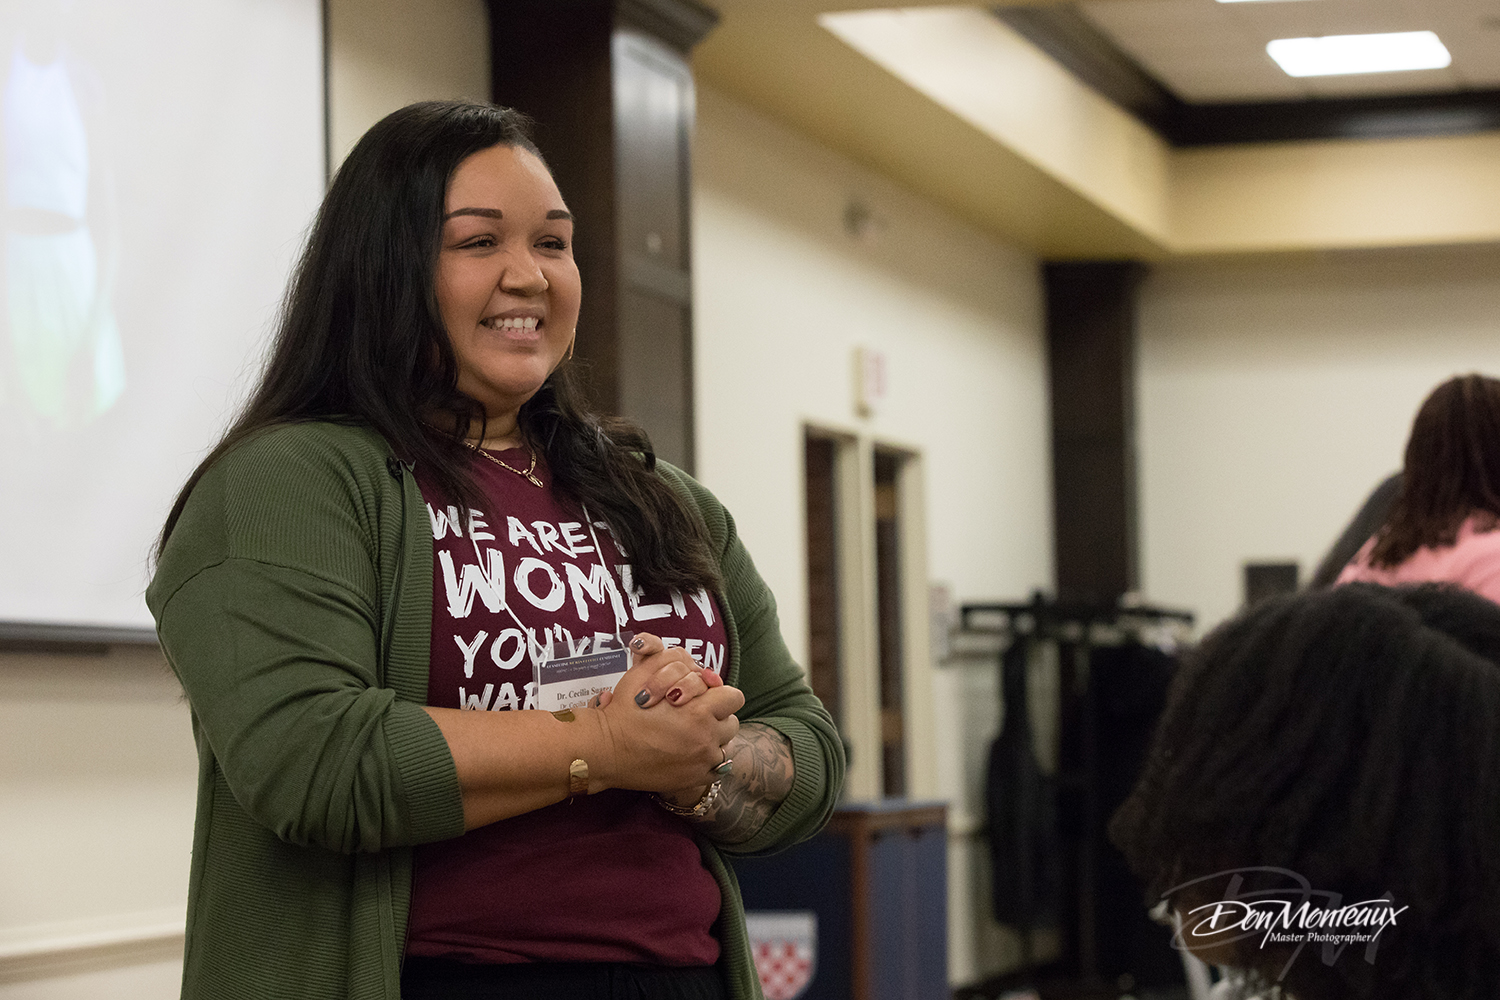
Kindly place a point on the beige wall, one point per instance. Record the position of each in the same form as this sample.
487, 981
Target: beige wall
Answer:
783, 295
385, 54
96, 810
986, 73
1275, 393
1336, 193
96, 758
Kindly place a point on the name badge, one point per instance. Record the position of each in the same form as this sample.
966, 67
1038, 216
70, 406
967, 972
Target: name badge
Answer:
573, 681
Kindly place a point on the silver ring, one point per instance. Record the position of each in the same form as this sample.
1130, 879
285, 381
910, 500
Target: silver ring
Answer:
726, 765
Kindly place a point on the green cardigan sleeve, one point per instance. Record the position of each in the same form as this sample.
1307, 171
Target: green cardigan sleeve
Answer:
269, 600
776, 693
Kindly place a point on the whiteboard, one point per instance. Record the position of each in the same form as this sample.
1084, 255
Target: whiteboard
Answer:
160, 161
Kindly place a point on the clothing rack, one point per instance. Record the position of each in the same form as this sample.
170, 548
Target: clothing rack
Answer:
1078, 629
1047, 613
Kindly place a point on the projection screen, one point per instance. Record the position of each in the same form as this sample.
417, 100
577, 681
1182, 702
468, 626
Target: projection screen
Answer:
159, 161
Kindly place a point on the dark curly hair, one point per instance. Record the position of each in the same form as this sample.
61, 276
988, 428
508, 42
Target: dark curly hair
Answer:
360, 339
1351, 736
1452, 469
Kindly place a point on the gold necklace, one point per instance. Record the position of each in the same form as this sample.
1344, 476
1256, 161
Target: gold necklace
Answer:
529, 474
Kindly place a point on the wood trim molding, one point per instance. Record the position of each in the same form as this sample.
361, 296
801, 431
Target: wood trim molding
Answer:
49, 950
1409, 116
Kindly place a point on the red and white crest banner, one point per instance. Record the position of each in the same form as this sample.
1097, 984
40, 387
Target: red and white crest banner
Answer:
784, 944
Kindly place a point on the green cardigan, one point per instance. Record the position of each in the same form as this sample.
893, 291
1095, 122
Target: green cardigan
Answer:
294, 603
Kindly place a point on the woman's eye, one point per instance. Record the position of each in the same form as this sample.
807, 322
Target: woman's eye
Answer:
553, 243
480, 241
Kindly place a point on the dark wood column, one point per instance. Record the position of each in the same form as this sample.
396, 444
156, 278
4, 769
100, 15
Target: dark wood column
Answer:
1091, 308
610, 86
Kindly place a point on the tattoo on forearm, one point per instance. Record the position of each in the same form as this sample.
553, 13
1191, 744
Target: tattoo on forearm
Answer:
761, 779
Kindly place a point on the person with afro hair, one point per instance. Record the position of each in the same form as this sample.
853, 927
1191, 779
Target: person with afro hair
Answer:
1347, 741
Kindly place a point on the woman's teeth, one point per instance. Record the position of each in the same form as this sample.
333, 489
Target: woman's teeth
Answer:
517, 323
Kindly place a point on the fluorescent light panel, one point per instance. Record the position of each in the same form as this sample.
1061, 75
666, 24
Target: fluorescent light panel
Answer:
1336, 55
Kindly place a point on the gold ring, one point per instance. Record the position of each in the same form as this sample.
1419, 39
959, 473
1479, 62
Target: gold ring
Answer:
724, 766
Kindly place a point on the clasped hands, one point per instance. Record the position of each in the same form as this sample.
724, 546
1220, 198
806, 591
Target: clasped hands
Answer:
668, 720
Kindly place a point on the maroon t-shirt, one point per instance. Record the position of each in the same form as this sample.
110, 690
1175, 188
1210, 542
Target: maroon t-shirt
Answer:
610, 877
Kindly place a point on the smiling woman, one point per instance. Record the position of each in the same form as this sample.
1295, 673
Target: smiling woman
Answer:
360, 585
507, 285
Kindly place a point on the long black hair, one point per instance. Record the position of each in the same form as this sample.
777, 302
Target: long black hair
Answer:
1352, 736
1452, 469
361, 339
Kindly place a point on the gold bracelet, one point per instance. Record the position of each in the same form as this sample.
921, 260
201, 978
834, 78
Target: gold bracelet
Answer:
578, 779
696, 811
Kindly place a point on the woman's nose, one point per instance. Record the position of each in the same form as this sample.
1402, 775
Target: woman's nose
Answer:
523, 276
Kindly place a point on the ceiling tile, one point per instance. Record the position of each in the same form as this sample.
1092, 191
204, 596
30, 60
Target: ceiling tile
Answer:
1199, 48
1265, 21
1166, 51
1214, 88
1150, 15
1251, 64
1265, 29
1384, 84
1476, 56
1487, 78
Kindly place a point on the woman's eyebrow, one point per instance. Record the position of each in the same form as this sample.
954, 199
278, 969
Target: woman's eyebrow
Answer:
488, 213
495, 213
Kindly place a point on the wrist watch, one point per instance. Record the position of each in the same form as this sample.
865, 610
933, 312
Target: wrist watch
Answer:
695, 811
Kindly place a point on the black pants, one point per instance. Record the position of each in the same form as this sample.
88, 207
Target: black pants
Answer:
440, 979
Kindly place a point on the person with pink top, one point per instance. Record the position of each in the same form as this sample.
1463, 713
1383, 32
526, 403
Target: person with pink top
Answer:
1442, 528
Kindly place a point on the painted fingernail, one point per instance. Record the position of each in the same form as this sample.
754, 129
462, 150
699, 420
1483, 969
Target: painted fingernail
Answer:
637, 644
642, 696
674, 695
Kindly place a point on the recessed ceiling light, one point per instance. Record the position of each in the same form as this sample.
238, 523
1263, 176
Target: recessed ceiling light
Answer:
1332, 55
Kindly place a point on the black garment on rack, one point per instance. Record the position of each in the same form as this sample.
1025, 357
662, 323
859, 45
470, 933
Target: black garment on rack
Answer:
1130, 688
1021, 807
1053, 864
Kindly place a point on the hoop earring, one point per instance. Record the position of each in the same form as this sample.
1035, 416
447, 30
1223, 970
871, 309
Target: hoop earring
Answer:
571, 344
